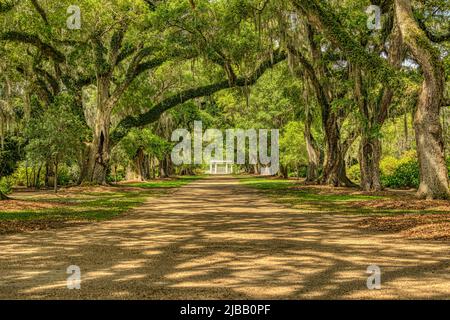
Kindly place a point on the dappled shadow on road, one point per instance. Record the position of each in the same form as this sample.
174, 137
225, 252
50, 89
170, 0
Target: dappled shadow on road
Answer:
215, 239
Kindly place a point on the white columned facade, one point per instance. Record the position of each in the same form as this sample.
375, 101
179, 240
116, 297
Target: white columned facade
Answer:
214, 167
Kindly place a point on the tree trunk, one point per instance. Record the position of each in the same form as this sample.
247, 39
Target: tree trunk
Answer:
152, 168
162, 169
430, 145
334, 172
369, 159
405, 131
168, 166
284, 172
56, 178
33, 171
37, 183
26, 173
374, 114
98, 153
140, 165
47, 173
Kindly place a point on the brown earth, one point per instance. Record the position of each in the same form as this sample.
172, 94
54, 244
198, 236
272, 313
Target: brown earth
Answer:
218, 239
20, 205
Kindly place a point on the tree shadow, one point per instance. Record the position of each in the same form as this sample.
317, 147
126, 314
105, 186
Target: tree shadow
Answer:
215, 239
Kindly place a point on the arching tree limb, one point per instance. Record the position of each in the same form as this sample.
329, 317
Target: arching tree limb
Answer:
34, 40
153, 114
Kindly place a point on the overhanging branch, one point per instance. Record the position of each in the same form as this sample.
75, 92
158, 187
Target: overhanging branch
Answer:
34, 40
153, 114
436, 38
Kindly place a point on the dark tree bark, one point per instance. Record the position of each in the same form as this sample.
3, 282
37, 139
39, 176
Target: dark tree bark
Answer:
100, 149
284, 172
334, 171
142, 165
55, 183
429, 141
37, 183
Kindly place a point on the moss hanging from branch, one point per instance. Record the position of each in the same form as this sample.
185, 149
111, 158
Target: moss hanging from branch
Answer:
153, 114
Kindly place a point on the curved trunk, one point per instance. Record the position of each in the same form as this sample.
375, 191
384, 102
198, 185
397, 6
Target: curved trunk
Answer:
430, 146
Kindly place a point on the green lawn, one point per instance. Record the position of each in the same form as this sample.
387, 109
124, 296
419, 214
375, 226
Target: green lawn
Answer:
88, 203
321, 200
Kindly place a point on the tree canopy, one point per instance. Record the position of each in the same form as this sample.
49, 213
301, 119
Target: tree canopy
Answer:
104, 93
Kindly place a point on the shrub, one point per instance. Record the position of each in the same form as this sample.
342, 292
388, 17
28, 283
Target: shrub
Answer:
68, 174
19, 177
406, 175
354, 173
395, 173
388, 165
5, 185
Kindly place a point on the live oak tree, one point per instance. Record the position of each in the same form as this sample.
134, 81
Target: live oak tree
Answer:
101, 54
121, 47
434, 183
433, 172
374, 99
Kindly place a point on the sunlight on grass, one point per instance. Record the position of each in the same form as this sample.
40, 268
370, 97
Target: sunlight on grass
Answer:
90, 205
291, 188
315, 200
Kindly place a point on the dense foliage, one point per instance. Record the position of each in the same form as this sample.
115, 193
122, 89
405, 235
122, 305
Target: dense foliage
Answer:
98, 104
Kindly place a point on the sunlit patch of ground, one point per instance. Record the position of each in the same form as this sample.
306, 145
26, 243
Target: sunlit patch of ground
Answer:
29, 210
389, 211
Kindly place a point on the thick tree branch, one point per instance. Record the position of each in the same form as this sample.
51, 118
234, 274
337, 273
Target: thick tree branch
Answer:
40, 10
7, 6
153, 114
320, 15
433, 37
311, 73
34, 40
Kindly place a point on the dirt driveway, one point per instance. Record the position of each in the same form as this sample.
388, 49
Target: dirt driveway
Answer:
217, 239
